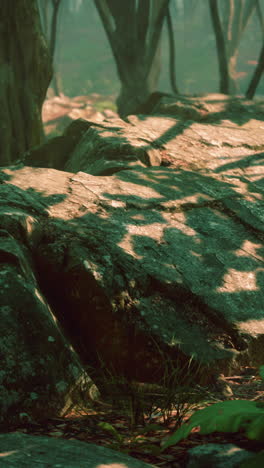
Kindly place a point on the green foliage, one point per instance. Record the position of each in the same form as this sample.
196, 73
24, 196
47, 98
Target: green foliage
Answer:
261, 372
227, 416
109, 428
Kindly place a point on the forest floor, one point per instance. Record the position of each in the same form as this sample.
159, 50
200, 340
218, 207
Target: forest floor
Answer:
85, 426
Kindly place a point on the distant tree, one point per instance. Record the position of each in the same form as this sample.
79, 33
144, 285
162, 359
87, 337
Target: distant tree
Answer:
256, 76
236, 15
174, 86
260, 17
220, 47
25, 72
260, 66
134, 29
228, 32
49, 11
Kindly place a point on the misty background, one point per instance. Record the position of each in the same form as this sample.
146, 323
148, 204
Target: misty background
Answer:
84, 62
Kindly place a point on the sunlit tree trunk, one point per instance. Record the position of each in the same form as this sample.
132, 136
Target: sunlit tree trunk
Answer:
134, 30
25, 72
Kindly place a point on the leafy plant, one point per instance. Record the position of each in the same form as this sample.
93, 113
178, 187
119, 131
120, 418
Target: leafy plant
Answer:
118, 438
227, 416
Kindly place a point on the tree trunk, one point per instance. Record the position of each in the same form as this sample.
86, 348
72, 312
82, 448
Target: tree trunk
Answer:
25, 72
134, 29
235, 19
173, 83
260, 17
257, 75
220, 46
49, 14
137, 85
52, 45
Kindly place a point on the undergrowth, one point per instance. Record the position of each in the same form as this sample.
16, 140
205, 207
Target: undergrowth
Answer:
170, 401
228, 416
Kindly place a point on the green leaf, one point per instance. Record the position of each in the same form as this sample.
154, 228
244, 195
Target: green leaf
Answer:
109, 428
227, 416
261, 372
255, 430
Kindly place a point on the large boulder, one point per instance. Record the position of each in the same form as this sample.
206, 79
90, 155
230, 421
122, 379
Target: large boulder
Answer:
163, 259
218, 456
41, 375
112, 146
145, 262
56, 151
28, 451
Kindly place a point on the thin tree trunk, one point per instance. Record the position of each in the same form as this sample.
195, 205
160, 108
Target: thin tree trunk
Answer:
260, 17
52, 42
220, 47
25, 72
53, 29
172, 53
256, 76
236, 15
49, 10
242, 11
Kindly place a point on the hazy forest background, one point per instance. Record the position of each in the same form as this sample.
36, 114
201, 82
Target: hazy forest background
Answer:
84, 62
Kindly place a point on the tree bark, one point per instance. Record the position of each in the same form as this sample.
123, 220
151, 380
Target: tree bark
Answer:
257, 75
52, 43
25, 72
260, 17
49, 13
173, 83
134, 29
220, 46
235, 19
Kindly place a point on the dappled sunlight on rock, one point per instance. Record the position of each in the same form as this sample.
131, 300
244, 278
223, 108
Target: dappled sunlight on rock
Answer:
256, 327
235, 281
127, 245
249, 247
112, 465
